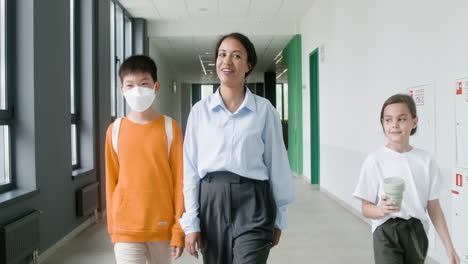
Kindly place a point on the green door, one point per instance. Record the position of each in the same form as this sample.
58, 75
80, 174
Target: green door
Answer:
314, 117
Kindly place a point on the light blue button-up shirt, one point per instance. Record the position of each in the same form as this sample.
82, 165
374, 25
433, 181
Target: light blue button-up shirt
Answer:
248, 142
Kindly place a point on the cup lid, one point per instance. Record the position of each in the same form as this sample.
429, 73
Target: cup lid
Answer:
394, 180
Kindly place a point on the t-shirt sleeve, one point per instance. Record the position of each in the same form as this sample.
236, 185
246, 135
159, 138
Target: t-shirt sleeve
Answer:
368, 184
434, 181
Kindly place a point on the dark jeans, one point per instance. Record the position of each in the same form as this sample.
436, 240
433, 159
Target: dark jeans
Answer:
400, 241
237, 217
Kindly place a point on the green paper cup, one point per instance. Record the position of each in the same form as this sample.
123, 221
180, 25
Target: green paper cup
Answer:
394, 188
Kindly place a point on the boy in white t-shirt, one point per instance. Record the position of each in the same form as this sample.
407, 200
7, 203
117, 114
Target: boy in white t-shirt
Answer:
400, 233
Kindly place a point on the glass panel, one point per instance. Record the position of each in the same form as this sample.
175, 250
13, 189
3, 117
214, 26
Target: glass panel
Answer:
120, 101
119, 35
112, 46
74, 144
128, 37
286, 102
206, 90
279, 99
4, 155
72, 56
2, 55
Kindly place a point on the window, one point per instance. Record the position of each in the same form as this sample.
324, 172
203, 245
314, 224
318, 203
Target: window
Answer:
74, 109
6, 116
128, 36
279, 99
2, 55
121, 48
113, 63
206, 90
82, 86
282, 100
285, 102
128, 49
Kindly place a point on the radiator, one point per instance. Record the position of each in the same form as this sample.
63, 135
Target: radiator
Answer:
19, 239
87, 199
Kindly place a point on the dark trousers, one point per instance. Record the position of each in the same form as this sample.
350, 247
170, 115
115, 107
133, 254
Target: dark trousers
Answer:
237, 217
400, 241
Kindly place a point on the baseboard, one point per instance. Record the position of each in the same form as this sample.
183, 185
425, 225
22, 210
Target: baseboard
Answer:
345, 205
50, 251
295, 175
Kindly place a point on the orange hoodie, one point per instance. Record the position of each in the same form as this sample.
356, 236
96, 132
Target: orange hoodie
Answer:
143, 185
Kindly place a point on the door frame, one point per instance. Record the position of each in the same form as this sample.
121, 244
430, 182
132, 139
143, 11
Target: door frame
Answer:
314, 117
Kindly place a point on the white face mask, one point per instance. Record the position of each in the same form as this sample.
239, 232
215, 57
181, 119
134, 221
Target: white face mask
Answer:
140, 98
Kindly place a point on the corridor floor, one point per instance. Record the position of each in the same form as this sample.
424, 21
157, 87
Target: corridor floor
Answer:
320, 231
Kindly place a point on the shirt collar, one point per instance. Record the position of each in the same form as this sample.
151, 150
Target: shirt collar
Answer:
249, 101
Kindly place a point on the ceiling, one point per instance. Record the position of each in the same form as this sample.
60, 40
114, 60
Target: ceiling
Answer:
186, 31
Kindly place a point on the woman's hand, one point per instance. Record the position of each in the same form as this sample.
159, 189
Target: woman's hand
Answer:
176, 252
193, 243
276, 237
387, 207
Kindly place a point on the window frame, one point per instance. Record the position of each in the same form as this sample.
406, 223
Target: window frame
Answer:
128, 31
113, 62
280, 100
206, 93
84, 119
118, 55
75, 81
285, 98
6, 113
283, 105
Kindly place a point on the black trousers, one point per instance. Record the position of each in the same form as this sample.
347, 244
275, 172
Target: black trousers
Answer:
237, 217
400, 241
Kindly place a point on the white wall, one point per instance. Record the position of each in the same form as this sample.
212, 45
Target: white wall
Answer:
167, 102
373, 49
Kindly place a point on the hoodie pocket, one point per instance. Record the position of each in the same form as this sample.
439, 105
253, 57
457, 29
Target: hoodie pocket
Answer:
145, 211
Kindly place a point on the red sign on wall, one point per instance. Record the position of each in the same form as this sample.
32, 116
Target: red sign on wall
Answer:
459, 88
459, 180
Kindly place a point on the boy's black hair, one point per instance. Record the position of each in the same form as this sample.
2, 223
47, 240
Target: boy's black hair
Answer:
404, 99
249, 47
138, 64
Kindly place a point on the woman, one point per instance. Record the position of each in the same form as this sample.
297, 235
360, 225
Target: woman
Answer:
237, 180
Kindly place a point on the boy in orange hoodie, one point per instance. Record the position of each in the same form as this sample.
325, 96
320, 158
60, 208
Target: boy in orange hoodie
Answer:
144, 173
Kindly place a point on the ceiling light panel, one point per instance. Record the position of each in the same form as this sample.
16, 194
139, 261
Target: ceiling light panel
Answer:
281, 73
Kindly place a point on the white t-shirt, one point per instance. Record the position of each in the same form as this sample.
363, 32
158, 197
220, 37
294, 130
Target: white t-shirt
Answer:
420, 173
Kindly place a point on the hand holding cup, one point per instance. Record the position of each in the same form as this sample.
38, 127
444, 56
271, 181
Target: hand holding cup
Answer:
391, 201
387, 206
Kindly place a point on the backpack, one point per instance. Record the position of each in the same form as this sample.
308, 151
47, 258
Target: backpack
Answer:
116, 129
